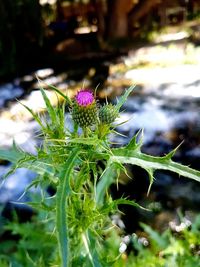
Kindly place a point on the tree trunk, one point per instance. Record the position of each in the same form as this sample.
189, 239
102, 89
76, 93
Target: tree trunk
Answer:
59, 10
100, 10
141, 9
118, 18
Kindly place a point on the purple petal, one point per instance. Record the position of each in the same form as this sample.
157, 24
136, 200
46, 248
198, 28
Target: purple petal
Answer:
84, 97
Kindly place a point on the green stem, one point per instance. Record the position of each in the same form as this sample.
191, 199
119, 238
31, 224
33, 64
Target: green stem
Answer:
85, 132
75, 132
63, 192
103, 130
85, 242
91, 251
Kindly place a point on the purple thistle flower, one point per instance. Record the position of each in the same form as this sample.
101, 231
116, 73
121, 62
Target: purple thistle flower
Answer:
84, 108
84, 97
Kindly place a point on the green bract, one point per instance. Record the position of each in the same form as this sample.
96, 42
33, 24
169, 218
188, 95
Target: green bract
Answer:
108, 113
84, 116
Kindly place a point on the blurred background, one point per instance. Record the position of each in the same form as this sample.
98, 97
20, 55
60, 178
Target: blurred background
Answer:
111, 44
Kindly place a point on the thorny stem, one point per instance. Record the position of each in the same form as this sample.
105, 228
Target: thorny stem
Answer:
85, 242
85, 132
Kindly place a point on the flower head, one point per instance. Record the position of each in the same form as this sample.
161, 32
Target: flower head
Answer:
84, 109
108, 113
84, 97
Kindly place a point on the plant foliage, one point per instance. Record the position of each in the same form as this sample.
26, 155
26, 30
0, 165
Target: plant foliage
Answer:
80, 210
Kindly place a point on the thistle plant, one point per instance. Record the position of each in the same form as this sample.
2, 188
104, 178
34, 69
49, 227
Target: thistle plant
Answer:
68, 161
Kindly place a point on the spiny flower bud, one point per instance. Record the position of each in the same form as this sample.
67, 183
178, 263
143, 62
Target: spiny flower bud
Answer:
84, 109
108, 113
